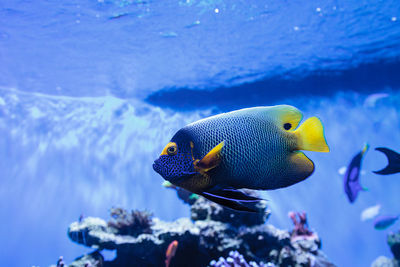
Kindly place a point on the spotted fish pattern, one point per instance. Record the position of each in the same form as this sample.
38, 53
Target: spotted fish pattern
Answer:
255, 148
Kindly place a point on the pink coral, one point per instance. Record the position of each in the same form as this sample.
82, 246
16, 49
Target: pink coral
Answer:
301, 229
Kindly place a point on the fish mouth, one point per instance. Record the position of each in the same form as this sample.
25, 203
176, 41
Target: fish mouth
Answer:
160, 169
156, 167
163, 171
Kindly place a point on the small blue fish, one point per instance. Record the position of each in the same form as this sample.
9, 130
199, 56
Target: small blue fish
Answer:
393, 161
351, 179
384, 222
118, 16
256, 148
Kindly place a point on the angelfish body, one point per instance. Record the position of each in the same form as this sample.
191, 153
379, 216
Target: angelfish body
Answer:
255, 148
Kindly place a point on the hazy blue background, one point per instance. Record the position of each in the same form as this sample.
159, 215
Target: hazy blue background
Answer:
91, 91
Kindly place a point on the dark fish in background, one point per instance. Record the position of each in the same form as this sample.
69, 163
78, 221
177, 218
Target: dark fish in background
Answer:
118, 16
256, 148
351, 179
383, 222
393, 161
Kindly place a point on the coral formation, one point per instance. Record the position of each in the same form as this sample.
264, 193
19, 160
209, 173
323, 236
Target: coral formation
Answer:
60, 262
394, 244
94, 259
301, 225
301, 229
213, 232
235, 259
383, 261
393, 240
130, 223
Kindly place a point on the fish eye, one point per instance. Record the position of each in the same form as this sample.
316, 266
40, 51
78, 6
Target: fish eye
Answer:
287, 126
172, 150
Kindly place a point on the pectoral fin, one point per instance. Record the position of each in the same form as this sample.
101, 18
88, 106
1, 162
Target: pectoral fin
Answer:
212, 159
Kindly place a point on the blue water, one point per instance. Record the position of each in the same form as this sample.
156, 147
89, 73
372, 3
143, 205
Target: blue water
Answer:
91, 91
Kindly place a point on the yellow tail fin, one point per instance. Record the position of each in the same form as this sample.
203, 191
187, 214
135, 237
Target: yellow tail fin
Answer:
310, 136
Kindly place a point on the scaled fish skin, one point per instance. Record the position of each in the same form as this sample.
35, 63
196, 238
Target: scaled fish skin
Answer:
351, 180
255, 148
393, 161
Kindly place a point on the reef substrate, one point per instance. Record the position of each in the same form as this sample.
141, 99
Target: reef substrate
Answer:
393, 240
212, 236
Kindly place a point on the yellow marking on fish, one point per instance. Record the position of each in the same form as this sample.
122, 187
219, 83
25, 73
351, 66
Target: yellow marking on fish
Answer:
211, 160
191, 150
289, 117
169, 146
168, 184
365, 148
310, 136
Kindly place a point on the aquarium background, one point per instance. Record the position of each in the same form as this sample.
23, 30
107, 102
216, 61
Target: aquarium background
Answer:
91, 91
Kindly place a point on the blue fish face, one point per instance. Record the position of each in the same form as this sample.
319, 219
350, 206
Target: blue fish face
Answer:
175, 164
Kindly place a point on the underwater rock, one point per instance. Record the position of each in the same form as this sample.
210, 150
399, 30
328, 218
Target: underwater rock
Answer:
60, 262
93, 232
213, 233
130, 223
235, 259
94, 259
383, 261
393, 240
202, 209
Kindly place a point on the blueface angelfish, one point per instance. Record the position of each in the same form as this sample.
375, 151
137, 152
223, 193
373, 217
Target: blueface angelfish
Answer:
255, 148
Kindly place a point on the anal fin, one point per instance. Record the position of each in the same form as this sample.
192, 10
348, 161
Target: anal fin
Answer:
229, 203
232, 194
